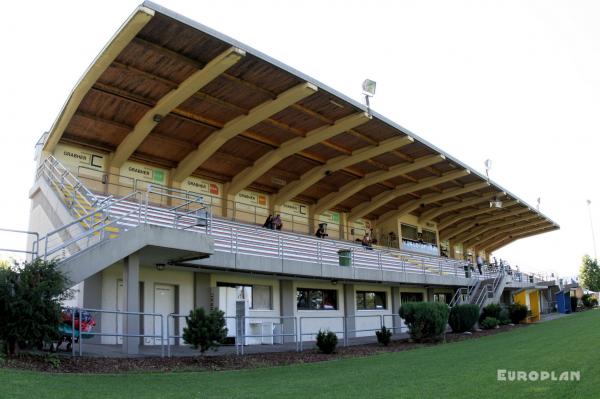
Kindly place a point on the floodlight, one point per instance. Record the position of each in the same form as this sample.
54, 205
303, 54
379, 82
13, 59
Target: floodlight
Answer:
369, 87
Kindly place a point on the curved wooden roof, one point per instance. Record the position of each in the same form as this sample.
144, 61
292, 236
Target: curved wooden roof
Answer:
171, 92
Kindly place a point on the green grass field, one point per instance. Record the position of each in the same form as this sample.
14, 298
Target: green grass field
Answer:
466, 369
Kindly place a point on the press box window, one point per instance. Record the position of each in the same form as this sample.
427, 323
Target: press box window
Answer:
429, 237
314, 299
370, 300
409, 232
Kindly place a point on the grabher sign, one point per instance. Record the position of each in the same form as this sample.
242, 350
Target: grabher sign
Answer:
74, 157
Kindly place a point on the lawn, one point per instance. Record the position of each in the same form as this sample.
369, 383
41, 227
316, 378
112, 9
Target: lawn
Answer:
466, 369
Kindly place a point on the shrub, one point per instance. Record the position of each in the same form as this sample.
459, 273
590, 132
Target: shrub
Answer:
30, 302
517, 312
326, 341
205, 330
426, 321
589, 301
463, 317
384, 336
489, 323
504, 317
491, 310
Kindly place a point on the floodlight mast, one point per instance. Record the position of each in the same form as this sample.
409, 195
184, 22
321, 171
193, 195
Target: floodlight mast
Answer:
368, 90
494, 202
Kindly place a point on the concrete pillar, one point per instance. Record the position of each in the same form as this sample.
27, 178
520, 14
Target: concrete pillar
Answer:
112, 182
92, 299
396, 309
429, 294
131, 293
350, 309
313, 220
288, 308
202, 291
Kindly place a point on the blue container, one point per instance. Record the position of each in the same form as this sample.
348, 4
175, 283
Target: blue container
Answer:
563, 301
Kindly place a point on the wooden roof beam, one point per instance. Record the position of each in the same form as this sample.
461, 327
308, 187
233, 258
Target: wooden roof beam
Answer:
445, 223
429, 198
502, 243
134, 24
472, 233
351, 188
238, 125
447, 234
291, 147
515, 228
314, 175
433, 213
172, 100
515, 236
387, 196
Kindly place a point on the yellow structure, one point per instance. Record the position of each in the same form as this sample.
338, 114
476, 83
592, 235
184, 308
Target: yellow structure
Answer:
531, 299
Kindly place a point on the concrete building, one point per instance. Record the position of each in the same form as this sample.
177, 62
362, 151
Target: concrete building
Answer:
157, 177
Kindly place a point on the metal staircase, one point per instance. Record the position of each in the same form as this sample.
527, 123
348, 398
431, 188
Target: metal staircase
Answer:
481, 292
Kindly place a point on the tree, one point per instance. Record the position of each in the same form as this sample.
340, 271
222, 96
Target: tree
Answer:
205, 330
30, 303
589, 274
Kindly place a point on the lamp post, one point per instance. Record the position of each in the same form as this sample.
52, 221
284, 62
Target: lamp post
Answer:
589, 202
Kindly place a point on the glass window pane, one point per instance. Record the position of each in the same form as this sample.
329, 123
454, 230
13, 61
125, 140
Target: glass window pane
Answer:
302, 299
360, 300
409, 232
316, 299
380, 300
329, 299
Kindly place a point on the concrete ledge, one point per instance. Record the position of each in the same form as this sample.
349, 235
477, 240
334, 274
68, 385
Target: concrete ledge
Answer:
155, 244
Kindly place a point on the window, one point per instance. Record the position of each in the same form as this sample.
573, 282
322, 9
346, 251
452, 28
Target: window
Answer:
370, 300
257, 296
411, 297
409, 232
315, 299
429, 237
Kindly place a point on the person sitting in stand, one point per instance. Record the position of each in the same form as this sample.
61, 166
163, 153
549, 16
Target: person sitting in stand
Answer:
268, 224
366, 241
321, 231
277, 223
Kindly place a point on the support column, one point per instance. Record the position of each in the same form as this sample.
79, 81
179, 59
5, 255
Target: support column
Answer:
344, 229
287, 308
112, 182
429, 294
202, 291
396, 309
131, 293
313, 220
350, 309
92, 299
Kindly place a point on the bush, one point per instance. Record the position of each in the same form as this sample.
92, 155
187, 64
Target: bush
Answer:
489, 323
384, 336
504, 317
463, 317
517, 312
491, 310
589, 301
574, 303
205, 330
30, 303
426, 321
326, 341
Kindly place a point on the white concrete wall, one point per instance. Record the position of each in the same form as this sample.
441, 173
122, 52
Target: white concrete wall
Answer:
150, 277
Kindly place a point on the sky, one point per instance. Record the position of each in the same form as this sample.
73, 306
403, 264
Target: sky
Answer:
512, 81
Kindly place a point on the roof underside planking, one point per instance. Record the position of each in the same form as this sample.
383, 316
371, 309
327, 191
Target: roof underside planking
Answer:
173, 93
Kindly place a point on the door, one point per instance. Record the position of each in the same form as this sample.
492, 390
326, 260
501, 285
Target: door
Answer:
164, 303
